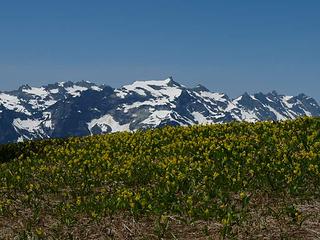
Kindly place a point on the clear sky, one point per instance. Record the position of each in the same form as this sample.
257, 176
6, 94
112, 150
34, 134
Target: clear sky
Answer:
229, 46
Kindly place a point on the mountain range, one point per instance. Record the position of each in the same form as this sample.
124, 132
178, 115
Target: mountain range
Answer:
83, 108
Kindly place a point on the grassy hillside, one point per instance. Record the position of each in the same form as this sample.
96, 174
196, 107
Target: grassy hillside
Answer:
237, 180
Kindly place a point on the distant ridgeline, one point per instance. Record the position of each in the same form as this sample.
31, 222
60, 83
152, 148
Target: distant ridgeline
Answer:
83, 108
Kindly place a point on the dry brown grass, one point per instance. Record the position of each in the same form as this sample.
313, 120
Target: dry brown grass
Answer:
268, 221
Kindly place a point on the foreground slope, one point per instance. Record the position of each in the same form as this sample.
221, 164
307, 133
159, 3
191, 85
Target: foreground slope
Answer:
239, 180
84, 108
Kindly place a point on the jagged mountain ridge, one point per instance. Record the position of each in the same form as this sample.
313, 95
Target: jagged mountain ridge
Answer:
84, 108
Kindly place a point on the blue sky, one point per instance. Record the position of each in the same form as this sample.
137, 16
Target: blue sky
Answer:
228, 46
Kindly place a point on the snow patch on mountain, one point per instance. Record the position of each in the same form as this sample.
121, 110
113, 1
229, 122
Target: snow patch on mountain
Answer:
213, 96
47, 122
13, 103
27, 124
157, 117
286, 100
106, 122
278, 115
149, 103
76, 90
96, 88
41, 92
249, 116
54, 91
199, 118
41, 105
156, 88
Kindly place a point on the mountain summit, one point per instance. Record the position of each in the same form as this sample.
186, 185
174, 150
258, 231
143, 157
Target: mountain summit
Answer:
84, 108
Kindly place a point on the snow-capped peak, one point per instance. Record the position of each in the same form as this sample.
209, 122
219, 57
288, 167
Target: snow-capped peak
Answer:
157, 88
36, 91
